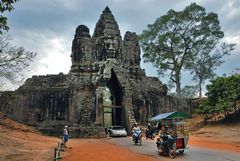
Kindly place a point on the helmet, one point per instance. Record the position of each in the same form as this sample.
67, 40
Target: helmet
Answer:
66, 126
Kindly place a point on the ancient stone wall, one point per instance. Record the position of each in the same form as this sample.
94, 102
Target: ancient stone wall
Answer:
40, 101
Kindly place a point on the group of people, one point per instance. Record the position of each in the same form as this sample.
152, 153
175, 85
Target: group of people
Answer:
165, 134
136, 132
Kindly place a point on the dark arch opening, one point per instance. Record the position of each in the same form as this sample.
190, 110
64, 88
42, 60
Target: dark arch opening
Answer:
116, 99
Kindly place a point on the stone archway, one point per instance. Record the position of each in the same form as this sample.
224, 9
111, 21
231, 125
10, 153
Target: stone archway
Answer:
117, 112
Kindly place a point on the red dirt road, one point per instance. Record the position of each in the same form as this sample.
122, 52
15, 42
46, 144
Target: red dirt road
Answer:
100, 150
225, 137
215, 144
19, 142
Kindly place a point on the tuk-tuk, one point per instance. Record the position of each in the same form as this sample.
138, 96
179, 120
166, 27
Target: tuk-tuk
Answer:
177, 130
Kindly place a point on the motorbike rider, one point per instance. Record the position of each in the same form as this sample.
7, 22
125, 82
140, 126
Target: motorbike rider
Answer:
163, 131
149, 132
166, 142
164, 134
136, 131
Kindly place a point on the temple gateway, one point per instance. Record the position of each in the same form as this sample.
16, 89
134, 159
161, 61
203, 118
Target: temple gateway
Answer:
105, 86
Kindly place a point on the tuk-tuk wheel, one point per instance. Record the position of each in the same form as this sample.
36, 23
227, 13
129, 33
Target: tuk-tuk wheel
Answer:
181, 151
172, 153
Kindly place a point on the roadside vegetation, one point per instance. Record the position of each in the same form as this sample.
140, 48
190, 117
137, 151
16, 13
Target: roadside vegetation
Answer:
223, 97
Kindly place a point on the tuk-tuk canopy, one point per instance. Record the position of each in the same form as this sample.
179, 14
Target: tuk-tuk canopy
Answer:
171, 115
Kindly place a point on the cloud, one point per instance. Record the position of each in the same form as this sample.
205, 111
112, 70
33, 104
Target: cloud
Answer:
47, 27
53, 51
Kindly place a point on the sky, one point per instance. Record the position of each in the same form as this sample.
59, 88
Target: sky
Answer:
48, 27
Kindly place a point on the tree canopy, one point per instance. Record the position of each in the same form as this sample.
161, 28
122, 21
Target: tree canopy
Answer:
171, 42
223, 96
13, 60
204, 63
5, 5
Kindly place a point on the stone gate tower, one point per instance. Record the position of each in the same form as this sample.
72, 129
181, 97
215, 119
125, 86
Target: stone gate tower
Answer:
104, 60
99, 62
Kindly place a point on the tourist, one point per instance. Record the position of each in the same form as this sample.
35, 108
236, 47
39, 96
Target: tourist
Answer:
65, 135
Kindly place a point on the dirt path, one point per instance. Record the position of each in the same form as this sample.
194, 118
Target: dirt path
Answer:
99, 150
220, 137
19, 142
225, 137
220, 144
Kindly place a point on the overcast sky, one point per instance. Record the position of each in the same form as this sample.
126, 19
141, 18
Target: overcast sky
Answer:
47, 27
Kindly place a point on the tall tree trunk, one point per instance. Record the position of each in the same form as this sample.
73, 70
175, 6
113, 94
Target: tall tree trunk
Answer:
200, 87
178, 84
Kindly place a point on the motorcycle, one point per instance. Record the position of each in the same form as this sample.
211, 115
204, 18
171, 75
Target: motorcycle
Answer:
166, 146
137, 138
150, 134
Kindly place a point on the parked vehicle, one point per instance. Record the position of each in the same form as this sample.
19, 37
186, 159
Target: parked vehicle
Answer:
117, 131
177, 133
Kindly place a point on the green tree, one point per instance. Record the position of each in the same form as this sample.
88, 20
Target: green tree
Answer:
169, 43
223, 93
13, 60
5, 5
204, 62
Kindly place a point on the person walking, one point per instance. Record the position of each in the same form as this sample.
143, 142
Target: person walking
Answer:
65, 135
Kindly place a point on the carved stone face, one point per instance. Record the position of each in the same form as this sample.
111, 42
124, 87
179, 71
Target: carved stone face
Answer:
111, 46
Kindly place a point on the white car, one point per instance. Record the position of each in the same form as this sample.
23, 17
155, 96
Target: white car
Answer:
117, 131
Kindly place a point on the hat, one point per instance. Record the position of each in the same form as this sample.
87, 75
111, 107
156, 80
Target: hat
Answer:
66, 126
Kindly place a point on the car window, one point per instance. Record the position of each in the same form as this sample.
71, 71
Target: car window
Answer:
117, 128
